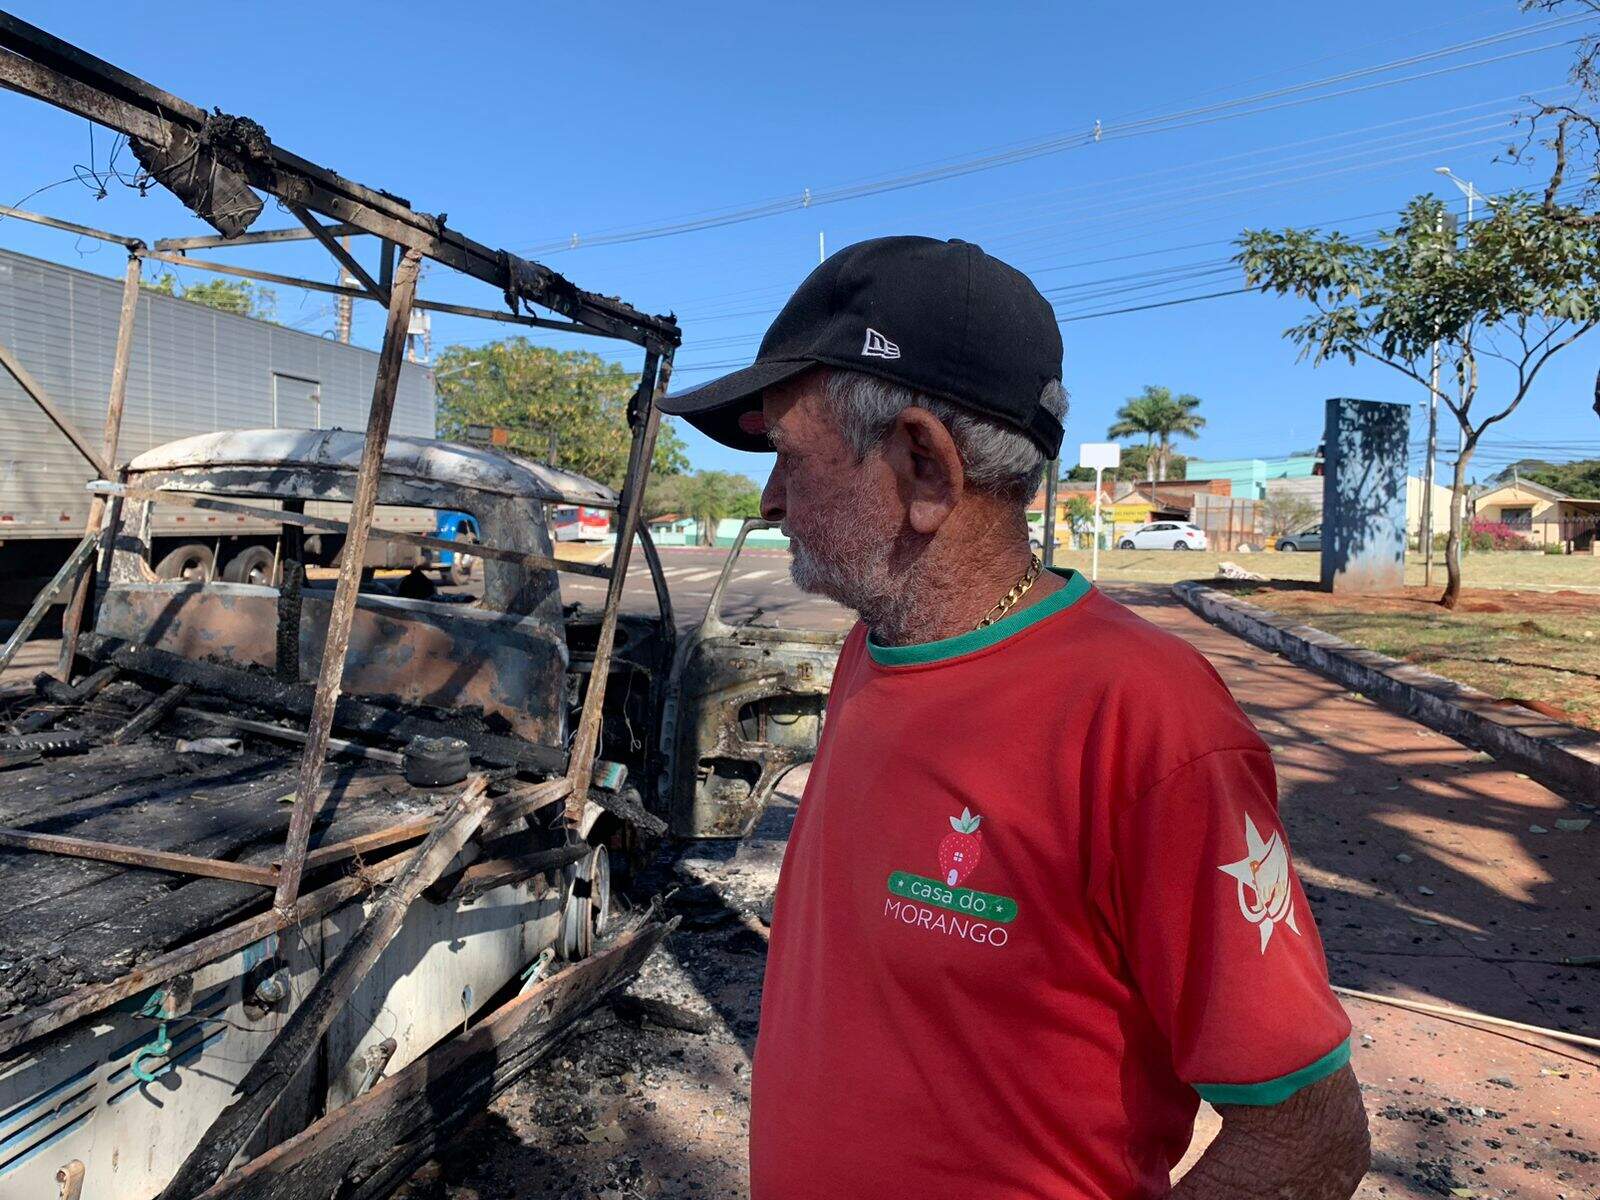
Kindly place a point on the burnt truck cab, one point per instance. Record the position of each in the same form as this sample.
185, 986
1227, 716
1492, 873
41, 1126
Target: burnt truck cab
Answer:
703, 725
747, 705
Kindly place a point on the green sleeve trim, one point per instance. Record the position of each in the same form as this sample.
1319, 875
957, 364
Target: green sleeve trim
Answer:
1076, 587
1276, 1091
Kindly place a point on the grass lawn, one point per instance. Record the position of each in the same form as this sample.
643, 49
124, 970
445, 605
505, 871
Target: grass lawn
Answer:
1530, 646
1533, 572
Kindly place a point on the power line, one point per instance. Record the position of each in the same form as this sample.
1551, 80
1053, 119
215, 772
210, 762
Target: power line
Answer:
1053, 144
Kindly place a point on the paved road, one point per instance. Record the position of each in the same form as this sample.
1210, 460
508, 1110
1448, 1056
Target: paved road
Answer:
760, 582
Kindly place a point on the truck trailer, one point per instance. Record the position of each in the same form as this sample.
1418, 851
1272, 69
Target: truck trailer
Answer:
193, 369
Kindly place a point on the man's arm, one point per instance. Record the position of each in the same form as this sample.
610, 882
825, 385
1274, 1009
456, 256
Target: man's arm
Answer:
1313, 1146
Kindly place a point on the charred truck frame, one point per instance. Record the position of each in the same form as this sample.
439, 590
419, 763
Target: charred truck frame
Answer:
389, 669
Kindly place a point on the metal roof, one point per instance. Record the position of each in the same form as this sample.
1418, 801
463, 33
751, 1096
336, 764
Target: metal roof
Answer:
411, 457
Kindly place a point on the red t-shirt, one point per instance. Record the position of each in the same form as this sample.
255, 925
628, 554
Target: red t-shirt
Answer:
1036, 903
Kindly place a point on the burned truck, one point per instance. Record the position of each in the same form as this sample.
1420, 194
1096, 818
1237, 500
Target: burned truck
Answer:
297, 872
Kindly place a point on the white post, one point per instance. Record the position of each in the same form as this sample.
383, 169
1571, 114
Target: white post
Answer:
1099, 456
1094, 553
822, 248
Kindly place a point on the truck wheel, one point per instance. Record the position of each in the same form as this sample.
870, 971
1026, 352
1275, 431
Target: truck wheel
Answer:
193, 561
461, 563
588, 906
253, 564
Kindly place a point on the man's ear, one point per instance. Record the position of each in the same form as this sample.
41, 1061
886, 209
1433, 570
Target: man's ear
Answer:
927, 468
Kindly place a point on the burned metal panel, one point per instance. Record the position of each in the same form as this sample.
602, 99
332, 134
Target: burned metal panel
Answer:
448, 961
749, 707
416, 458
451, 657
505, 517
74, 1096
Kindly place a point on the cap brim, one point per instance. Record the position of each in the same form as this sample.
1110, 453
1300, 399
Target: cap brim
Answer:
720, 409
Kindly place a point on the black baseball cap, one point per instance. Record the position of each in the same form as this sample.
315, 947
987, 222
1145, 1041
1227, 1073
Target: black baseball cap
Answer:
941, 317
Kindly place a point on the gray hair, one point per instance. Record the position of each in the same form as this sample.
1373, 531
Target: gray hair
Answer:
998, 459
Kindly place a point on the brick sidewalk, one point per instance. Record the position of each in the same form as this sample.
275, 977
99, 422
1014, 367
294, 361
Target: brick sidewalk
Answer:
1436, 875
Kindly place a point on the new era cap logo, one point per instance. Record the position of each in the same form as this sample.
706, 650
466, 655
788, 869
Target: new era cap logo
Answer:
878, 346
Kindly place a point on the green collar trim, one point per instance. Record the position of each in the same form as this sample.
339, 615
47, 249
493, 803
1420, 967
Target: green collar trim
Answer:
1077, 587
1276, 1091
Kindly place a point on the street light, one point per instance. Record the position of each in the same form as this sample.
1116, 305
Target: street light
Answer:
1470, 192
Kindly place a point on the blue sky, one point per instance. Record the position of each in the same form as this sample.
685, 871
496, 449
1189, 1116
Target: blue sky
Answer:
531, 123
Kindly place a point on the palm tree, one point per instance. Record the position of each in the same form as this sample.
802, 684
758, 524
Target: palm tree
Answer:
1159, 416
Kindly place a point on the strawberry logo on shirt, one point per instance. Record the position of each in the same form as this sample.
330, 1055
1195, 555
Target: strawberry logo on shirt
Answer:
959, 852
968, 914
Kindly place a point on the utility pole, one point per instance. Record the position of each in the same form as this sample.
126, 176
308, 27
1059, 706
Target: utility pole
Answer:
345, 304
1471, 193
1049, 539
1425, 530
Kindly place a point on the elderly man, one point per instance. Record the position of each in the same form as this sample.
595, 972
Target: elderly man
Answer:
1037, 902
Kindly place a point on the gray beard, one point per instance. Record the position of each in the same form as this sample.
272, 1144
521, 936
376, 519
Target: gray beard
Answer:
856, 569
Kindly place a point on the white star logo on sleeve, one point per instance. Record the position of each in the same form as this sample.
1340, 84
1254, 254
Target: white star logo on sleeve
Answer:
1265, 871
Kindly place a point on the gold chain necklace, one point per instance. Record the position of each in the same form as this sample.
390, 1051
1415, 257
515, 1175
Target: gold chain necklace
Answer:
1017, 592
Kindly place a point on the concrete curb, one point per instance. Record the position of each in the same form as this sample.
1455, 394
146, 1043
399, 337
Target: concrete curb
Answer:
1562, 757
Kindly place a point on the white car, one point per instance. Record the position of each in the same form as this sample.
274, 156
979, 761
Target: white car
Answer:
1164, 535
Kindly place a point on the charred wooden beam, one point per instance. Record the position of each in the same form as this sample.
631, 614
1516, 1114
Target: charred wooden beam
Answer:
343, 609
368, 1147
489, 873
636, 1010
139, 856
370, 843
270, 1074
72, 621
347, 260
152, 714
38, 64
22, 214
258, 237
284, 734
647, 420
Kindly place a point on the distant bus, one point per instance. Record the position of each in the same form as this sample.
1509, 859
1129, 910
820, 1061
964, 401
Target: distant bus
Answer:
569, 523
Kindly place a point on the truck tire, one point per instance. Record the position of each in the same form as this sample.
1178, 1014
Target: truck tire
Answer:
461, 563
253, 564
191, 561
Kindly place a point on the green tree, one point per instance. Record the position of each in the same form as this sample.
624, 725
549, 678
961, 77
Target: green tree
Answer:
537, 394
1138, 465
228, 295
1580, 479
1286, 513
1158, 416
1080, 515
1522, 288
710, 496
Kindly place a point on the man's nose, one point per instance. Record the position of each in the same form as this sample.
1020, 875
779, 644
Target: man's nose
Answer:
772, 498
